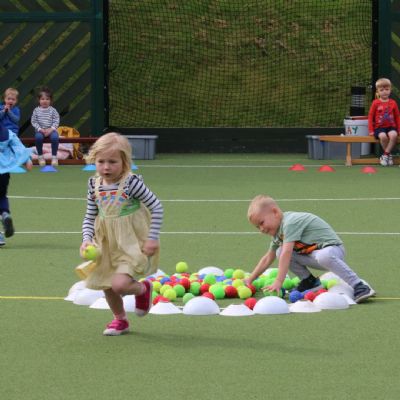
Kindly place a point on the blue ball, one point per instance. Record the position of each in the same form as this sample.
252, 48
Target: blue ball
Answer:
220, 278
202, 276
295, 295
163, 280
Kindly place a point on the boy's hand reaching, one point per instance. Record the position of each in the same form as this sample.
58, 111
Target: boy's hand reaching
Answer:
150, 247
276, 286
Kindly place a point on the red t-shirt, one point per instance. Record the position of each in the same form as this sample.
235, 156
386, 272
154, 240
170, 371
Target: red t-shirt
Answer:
383, 114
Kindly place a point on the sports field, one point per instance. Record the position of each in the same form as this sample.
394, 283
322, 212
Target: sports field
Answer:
52, 349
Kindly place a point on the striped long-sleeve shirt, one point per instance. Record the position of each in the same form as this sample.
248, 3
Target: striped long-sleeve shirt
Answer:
135, 188
43, 118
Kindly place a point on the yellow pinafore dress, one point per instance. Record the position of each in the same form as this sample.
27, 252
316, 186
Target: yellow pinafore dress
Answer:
121, 228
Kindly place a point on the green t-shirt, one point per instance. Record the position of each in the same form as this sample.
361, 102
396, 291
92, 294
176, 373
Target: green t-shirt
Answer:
308, 231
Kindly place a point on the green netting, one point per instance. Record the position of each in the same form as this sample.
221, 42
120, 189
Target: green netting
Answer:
236, 63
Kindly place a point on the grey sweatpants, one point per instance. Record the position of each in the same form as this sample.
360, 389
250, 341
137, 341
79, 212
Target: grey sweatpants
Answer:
330, 258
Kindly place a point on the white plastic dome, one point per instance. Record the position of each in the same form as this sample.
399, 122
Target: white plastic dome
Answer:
87, 297
211, 270
331, 301
304, 307
129, 303
80, 285
237, 310
166, 308
342, 288
100, 304
201, 306
271, 305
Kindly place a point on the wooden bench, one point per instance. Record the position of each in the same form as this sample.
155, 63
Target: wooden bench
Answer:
349, 140
69, 161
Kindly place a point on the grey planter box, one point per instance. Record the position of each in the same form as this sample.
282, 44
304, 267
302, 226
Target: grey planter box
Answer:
143, 146
318, 150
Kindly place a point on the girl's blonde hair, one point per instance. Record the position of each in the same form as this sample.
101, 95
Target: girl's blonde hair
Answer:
260, 203
10, 90
383, 82
112, 141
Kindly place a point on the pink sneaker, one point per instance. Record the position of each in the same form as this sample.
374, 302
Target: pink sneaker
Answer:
117, 327
143, 301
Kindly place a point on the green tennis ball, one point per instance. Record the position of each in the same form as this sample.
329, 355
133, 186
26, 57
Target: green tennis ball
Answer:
324, 283
181, 266
296, 280
331, 283
238, 274
170, 294
237, 283
187, 297
91, 253
287, 284
157, 286
210, 279
272, 273
217, 290
179, 290
229, 272
244, 292
257, 284
195, 288
154, 294
193, 277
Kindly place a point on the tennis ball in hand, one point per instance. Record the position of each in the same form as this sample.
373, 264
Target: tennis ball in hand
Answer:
181, 266
91, 253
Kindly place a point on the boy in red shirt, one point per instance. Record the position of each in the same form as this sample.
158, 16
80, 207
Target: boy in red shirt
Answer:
384, 120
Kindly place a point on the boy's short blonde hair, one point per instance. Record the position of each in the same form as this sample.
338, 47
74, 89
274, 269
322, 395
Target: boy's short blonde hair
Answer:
382, 83
260, 203
10, 90
112, 141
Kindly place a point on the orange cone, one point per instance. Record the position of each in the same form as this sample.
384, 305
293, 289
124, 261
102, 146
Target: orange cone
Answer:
297, 167
326, 168
368, 170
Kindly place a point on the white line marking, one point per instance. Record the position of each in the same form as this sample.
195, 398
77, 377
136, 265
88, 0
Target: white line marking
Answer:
218, 200
204, 233
231, 166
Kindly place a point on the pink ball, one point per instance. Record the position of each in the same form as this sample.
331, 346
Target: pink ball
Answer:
209, 295
250, 302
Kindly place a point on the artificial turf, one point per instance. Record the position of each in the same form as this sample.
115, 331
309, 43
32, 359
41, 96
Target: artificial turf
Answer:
52, 349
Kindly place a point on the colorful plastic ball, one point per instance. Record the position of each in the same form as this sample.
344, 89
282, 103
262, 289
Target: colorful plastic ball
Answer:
244, 292
218, 291
185, 283
187, 297
164, 280
229, 272
170, 294
238, 274
324, 283
252, 288
181, 266
287, 284
310, 296
179, 290
209, 295
250, 302
237, 282
157, 286
295, 295
321, 291
154, 294
204, 288
195, 288
210, 279
230, 291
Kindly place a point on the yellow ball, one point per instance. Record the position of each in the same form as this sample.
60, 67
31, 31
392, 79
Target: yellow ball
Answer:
170, 294
238, 274
237, 283
244, 292
181, 266
164, 288
91, 253
157, 286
